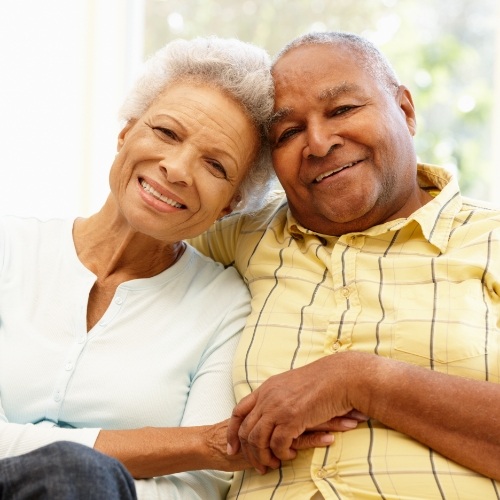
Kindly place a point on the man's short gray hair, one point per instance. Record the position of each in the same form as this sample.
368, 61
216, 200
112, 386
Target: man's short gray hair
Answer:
370, 57
240, 69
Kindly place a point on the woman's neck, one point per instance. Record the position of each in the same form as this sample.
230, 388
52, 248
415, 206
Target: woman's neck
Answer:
112, 250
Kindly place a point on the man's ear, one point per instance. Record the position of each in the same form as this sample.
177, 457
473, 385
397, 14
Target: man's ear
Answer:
405, 101
124, 132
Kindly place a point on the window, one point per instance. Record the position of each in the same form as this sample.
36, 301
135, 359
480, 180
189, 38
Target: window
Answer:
67, 65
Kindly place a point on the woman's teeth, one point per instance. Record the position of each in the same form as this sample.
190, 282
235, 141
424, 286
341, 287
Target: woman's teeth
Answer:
159, 196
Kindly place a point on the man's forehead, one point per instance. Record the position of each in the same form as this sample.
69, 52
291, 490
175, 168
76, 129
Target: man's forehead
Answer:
327, 93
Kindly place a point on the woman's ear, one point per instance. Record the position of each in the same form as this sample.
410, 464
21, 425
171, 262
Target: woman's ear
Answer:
123, 133
232, 205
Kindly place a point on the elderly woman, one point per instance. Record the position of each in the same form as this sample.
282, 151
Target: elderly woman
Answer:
114, 333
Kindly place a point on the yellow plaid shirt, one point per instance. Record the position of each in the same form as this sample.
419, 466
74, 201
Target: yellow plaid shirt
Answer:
424, 290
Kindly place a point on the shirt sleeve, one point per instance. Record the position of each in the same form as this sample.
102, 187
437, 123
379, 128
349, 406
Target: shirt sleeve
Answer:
211, 400
233, 239
16, 439
220, 240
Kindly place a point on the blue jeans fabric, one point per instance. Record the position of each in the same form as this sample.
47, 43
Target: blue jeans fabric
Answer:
64, 471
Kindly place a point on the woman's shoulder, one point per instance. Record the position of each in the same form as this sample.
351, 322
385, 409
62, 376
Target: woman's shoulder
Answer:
211, 272
15, 224
210, 266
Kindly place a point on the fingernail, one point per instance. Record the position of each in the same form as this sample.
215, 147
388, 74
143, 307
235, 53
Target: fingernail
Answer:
229, 449
350, 424
327, 438
358, 415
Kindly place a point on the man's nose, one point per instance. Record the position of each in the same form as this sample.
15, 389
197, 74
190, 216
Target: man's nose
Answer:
321, 140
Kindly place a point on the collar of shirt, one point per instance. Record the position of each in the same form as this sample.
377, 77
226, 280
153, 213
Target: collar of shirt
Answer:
435, 218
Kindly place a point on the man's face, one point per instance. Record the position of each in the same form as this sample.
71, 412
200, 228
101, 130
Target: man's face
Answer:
342, 145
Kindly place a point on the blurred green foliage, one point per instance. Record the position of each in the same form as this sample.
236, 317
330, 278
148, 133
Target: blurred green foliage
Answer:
443, 50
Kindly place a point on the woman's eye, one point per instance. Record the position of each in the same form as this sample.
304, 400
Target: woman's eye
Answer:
217, 169
165, 132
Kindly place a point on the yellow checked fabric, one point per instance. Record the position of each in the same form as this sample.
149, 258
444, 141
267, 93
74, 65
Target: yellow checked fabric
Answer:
424, 290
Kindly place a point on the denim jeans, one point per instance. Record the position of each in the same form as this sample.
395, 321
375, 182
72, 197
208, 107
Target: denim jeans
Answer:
64, 471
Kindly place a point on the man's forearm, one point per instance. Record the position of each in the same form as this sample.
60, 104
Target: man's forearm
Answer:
457, 417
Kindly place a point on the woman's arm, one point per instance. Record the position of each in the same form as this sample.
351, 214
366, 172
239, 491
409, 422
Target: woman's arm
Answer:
150, 451
16, 439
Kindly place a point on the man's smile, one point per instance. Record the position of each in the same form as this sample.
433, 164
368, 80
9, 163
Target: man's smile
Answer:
329, 173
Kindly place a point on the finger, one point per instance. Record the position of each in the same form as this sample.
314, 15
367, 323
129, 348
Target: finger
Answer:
357, 415
240, 411
335, 424
313, 440
344, 423
281, 442
260, 458
255, 434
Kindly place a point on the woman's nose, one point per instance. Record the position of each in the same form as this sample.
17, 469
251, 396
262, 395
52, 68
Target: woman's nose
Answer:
178, 167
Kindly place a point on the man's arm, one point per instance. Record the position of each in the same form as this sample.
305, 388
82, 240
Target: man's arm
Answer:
457, 417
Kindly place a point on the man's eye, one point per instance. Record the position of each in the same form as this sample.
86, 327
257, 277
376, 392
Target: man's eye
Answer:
286, 135
342, 109
217, 169
165, 132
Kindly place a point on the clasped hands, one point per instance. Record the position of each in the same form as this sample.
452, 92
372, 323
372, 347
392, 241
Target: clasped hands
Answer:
294, 410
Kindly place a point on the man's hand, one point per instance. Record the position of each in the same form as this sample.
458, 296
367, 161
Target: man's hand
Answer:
269, 424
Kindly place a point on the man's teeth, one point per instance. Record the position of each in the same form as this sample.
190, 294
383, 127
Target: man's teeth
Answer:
331, 172
159, 196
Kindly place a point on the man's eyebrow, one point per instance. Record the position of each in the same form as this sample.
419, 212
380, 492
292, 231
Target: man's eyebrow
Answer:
338, 90
279, 115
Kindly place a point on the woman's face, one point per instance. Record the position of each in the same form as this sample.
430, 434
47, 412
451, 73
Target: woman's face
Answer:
179, 166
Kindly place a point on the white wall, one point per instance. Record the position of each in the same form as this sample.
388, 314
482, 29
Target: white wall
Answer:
494, 194
65, 66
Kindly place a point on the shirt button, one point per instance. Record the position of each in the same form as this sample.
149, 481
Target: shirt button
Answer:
345, 291
321, 474
336, 345
118, 300
57, 396
68, 366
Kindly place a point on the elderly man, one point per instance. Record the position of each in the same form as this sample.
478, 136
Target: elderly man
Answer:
375, 288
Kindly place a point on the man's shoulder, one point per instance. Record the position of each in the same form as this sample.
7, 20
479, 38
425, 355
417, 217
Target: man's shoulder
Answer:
477, 220
485, 207
275, 205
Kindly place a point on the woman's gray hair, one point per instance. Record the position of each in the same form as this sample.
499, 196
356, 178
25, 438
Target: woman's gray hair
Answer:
240, 69
370, 57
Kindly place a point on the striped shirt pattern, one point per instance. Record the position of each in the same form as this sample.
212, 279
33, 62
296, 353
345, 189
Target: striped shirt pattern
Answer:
424, 290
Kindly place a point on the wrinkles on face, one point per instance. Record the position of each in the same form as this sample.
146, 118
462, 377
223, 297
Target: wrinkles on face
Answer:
343, 148
193, 145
